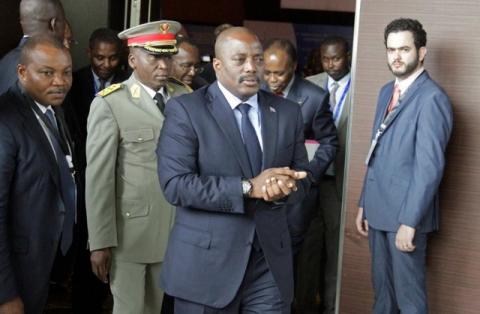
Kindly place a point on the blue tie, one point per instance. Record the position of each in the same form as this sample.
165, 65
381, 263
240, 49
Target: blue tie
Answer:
67, 185
250, 140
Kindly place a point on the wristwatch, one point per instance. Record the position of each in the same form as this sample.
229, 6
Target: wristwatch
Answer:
246, 187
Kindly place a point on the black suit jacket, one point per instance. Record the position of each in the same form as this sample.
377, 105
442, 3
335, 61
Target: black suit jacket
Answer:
318, 125
31, 208
8, 67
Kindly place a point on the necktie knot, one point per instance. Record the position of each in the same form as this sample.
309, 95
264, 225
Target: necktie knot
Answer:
279, 93
51, 118
102, 84
244, 108
333, 94
395, 97
160, 102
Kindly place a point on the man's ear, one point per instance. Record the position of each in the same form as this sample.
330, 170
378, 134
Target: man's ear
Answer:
217, 64
422, 52
51, 24
21, 72
131, 60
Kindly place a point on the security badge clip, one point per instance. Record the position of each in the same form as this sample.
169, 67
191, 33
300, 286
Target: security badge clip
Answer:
382, 128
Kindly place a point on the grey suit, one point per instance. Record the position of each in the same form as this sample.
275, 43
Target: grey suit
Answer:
401, 187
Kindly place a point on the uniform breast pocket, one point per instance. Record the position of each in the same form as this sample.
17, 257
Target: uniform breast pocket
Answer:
139, 144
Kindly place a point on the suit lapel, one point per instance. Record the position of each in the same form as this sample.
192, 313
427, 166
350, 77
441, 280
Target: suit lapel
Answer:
294, 94
270, 129
405, 99
35, 131
225, 118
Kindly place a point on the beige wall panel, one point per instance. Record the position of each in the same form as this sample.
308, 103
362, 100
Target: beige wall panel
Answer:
453, 61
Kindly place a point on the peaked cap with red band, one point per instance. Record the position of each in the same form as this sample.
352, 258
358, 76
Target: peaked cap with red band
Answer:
156, 37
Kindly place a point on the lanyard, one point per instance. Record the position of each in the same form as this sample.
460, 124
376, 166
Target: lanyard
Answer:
338, 108
59, 135
383, 126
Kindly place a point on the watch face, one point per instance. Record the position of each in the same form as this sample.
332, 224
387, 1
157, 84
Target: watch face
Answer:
246, 187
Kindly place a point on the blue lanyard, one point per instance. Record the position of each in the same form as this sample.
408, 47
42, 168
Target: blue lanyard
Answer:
339, 106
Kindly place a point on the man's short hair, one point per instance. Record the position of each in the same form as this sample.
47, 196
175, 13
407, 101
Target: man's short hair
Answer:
105, 35
411, 25
182, 39
285, 45
37, 40
336, 40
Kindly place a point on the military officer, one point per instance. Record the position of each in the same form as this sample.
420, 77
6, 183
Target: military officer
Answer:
128, 218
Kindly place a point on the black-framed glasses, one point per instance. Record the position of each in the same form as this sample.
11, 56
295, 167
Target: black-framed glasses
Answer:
197, 68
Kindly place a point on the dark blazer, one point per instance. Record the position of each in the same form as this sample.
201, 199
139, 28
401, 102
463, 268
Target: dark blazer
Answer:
402, 179
318, 122
8, 67
318, 125
201, 161
31, 209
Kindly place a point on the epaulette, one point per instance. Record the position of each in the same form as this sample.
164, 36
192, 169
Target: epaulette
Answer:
110, 89
178, 82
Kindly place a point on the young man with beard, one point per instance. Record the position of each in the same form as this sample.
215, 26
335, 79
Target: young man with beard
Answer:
399, 203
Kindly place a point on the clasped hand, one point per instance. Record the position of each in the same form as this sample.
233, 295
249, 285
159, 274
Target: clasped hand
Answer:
275, 183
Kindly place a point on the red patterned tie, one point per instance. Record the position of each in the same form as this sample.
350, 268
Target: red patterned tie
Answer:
394, 100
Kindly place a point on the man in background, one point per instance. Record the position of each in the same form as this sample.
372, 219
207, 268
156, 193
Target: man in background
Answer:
186, 64
105, 50
128, 217
399, 204
37, 185
280, 65
319, 256
36, 17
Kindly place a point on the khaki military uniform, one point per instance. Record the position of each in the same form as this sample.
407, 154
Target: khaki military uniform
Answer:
126, 209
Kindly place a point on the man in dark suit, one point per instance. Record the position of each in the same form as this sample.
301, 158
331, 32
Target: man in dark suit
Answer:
399, 204
37, 188
280, 65
36, 17
105, 51
226, 157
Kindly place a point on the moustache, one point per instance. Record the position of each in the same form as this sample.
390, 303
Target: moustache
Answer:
245, 78
58, 91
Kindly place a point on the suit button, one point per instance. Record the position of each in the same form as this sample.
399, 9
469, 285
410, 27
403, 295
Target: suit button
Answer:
127, 214
140, 139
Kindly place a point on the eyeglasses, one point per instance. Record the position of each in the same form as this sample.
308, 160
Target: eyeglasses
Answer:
197, 68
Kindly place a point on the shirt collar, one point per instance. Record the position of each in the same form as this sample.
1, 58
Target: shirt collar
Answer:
234, 101
341, 82
289, 87
405, 84
97, 79
43, 108
151, 92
